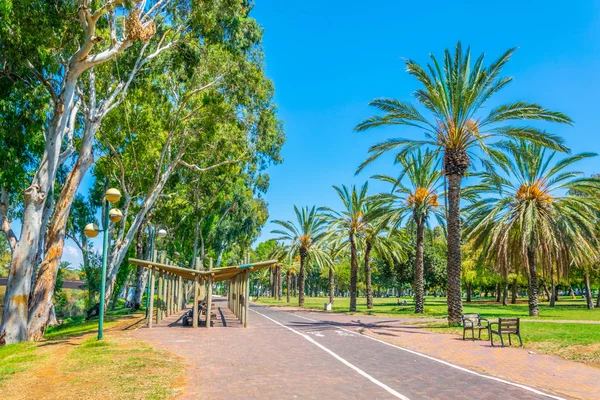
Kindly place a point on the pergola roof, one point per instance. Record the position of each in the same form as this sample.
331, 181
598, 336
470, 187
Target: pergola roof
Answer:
218, 274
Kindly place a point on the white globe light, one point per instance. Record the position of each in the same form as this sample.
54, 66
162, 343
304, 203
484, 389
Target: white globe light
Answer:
161, 233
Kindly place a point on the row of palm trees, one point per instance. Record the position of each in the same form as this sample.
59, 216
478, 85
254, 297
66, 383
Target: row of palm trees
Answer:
525, 211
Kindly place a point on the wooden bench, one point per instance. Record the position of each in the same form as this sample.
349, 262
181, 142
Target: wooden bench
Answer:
472, 322
510, 326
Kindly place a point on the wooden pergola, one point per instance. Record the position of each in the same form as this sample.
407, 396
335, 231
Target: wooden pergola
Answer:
171, 284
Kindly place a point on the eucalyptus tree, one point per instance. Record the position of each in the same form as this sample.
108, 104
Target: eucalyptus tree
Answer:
455, 95
531, 216
415, 202
305, 239
216, 115
55, 52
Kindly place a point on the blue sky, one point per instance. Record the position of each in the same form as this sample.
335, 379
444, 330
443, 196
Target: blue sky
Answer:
329, 58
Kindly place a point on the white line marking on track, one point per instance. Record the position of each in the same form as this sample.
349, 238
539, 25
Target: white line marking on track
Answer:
340, 359
530, 389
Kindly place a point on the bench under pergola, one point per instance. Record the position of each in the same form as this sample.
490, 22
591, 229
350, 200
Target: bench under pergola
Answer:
172, 283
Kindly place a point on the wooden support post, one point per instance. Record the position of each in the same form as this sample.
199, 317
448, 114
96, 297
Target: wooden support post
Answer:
164, 294
209, 293
151, 299
159, 297
170, 295
246, 296
179, 293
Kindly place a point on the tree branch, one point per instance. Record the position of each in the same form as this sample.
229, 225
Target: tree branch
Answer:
198, 169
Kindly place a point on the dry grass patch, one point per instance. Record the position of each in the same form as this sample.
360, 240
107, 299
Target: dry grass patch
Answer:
76, 365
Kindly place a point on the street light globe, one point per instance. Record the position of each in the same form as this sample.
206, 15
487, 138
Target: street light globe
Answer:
161, 233
91, 230
112, 195
115, 215
176, 254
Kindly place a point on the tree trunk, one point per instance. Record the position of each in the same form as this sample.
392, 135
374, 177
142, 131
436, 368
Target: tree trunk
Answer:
303, 255
469, 291
514, 292
532, 288
43, 292
454, 290
288, 279
141, 275
598, 299
505, 289
571, 292
331, 285
552, 287
588, 291
13, 327
279, 283
369, 287
419, 268
353, 272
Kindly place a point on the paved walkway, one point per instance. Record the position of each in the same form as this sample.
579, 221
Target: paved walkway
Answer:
311, 355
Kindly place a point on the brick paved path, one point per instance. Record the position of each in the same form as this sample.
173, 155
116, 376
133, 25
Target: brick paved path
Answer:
302, 355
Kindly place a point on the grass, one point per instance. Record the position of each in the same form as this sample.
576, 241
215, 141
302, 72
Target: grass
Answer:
15, 359
576, 342
572, 341
71, 363
566, 308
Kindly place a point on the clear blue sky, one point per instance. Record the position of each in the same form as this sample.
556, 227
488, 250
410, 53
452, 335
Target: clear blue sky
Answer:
329, 58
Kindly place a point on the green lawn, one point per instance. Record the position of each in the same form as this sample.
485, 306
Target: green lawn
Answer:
566, 308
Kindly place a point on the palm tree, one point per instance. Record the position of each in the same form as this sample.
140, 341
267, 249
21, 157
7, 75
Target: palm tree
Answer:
416, 202
389, 245
533, 216
348, 226
454, 94
304, 239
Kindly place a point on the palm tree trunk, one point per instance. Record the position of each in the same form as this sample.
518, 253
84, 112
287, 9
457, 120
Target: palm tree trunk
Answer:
454, 257
514, 294
419, 269
288, 279
368, 275
331, 285
505, 289
301, 278
552, 287
353, 272
279, 283
532, 288
598, 299
588, 291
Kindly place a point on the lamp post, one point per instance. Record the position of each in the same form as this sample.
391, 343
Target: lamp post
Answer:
91, 231
153, 234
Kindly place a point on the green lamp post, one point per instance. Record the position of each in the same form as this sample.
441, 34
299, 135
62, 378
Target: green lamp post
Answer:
91, 231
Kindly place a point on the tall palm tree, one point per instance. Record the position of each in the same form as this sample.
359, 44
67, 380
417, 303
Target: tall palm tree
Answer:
532, 216
415, 201
454, 94
304, 239
348, 226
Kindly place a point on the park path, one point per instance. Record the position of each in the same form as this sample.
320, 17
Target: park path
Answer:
311, 355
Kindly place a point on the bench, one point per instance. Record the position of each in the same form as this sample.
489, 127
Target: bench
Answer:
510, 326
472, 322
